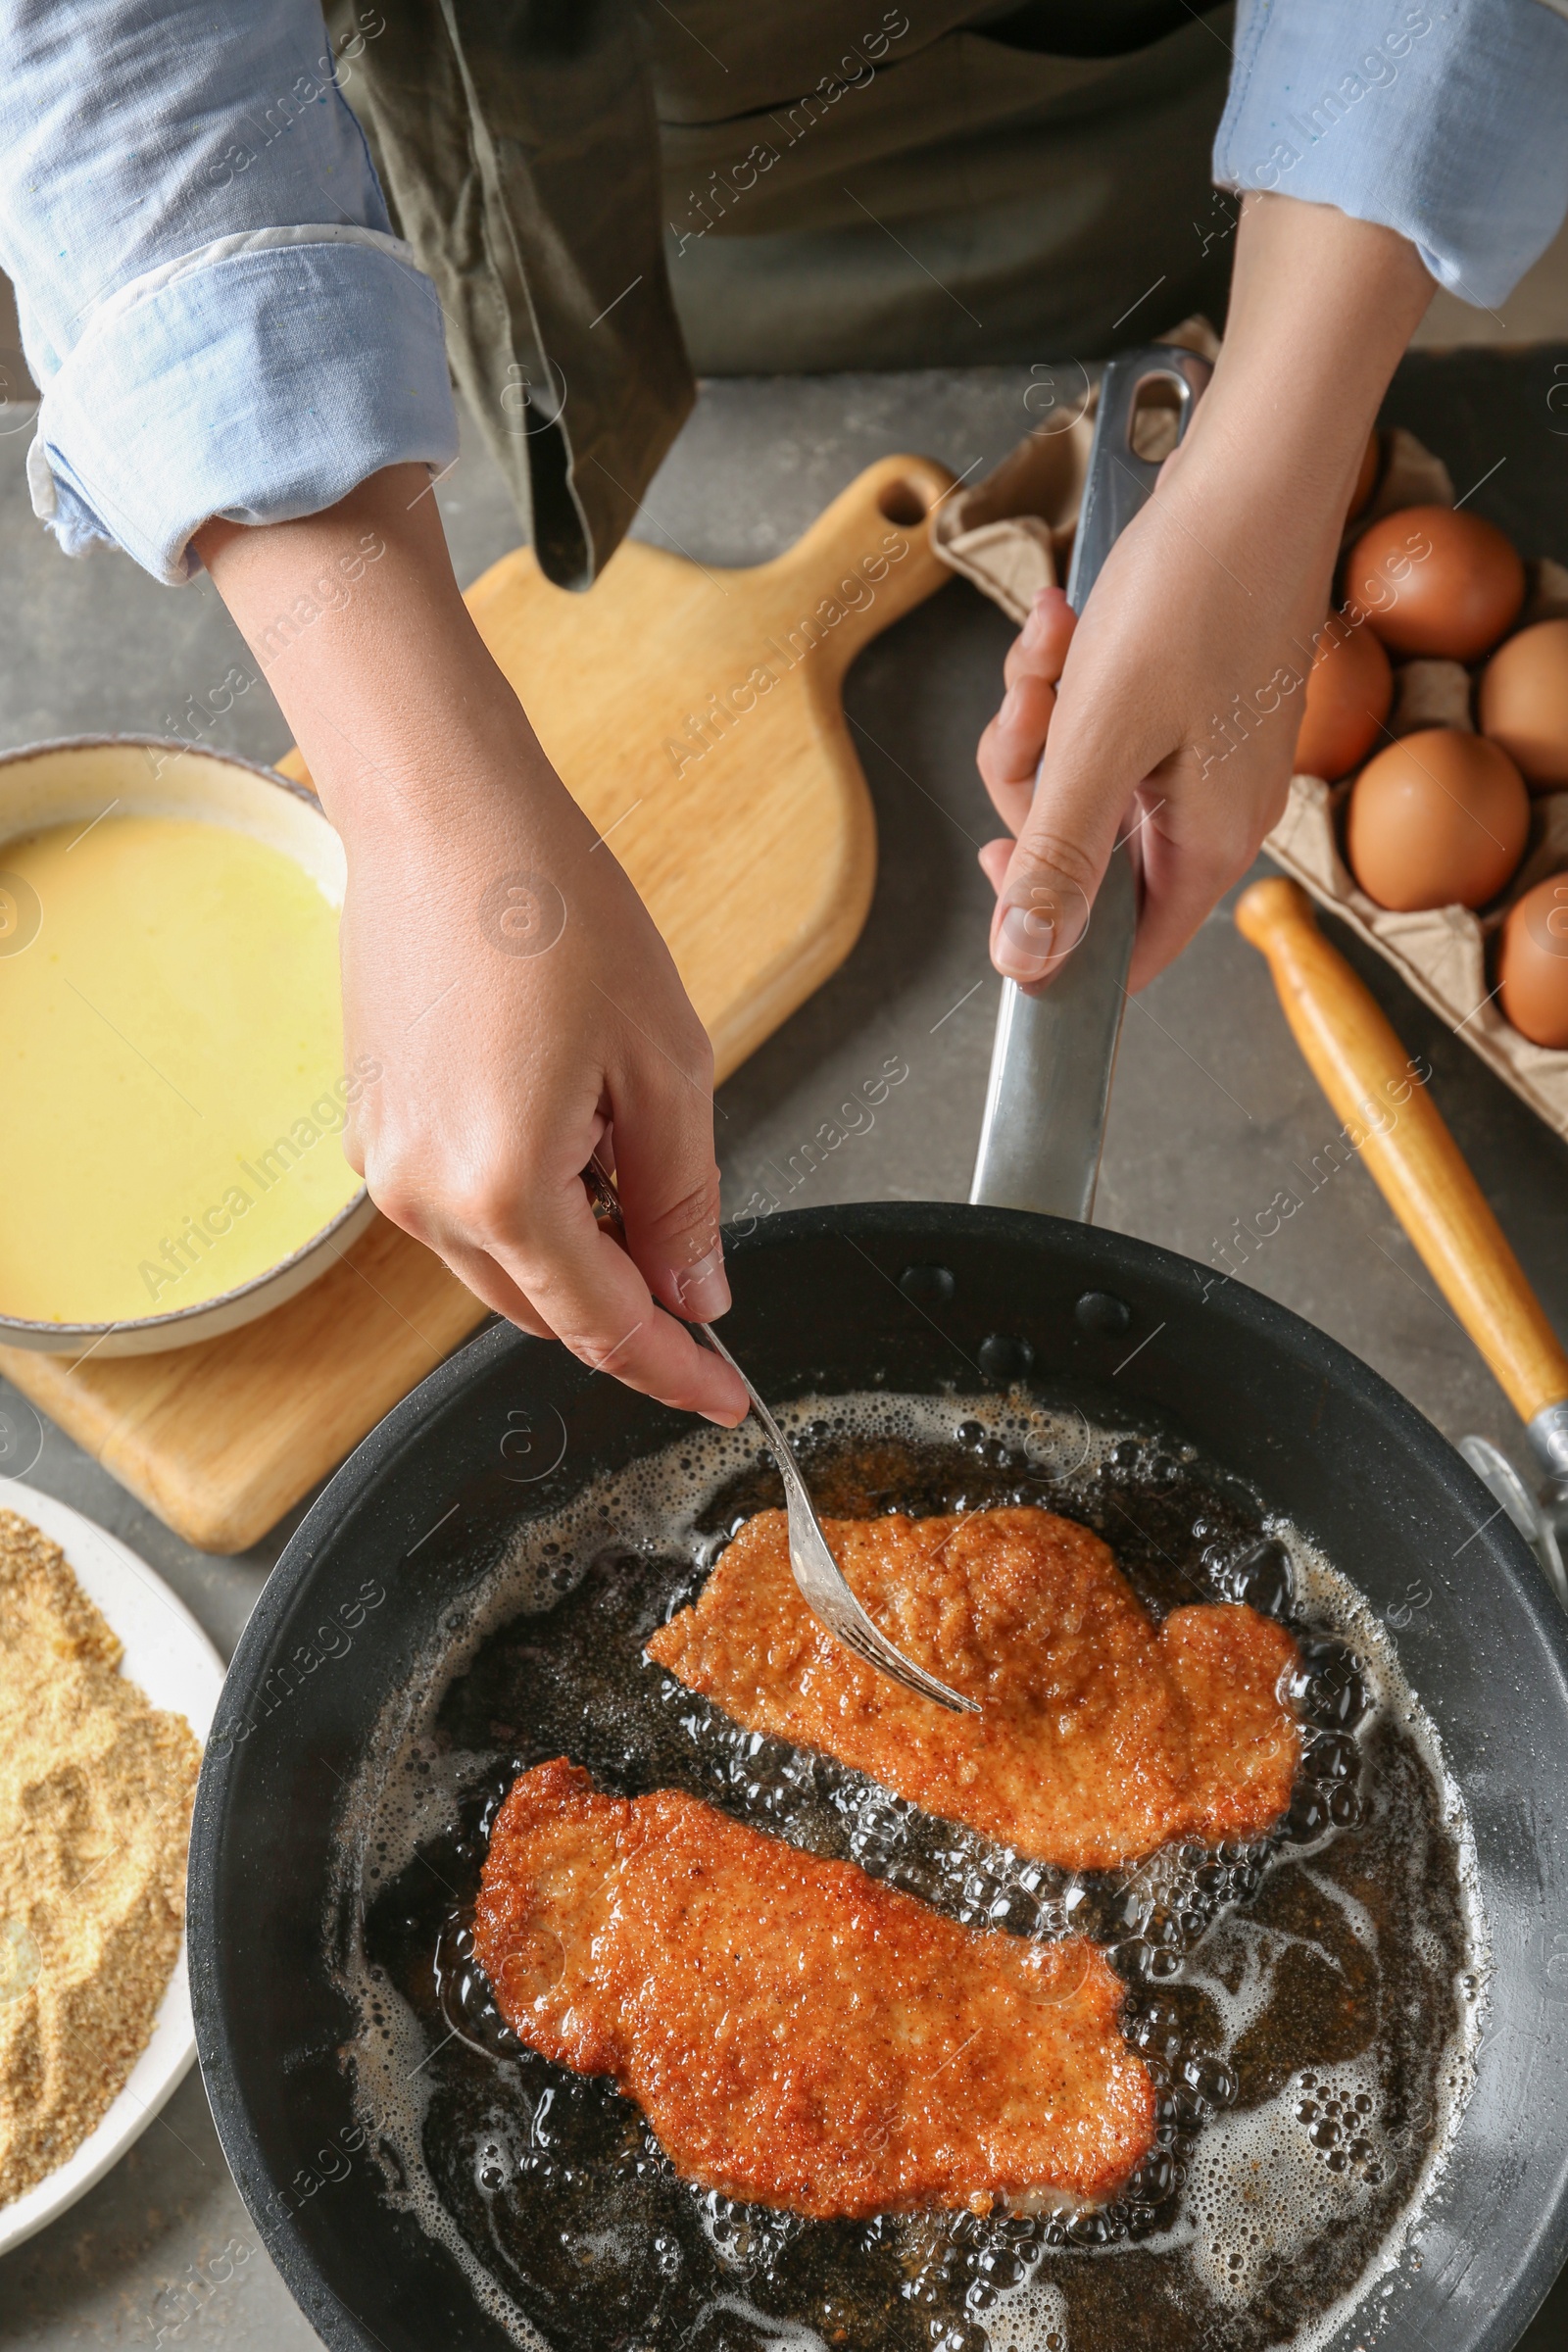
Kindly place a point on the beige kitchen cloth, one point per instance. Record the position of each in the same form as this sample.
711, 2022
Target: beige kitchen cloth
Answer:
1011, 535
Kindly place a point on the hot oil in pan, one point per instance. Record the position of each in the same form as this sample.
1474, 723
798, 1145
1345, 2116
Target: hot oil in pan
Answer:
1306, 2002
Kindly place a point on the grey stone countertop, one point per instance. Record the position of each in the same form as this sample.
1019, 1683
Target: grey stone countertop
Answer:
1214, 1110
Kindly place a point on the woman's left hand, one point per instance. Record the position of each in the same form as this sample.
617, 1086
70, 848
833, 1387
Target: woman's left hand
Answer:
1167, 712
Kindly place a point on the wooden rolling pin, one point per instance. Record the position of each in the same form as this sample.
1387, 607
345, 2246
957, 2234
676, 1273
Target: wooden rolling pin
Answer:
1415, 1163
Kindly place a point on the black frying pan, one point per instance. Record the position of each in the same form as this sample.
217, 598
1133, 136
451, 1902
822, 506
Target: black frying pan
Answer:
915, 1298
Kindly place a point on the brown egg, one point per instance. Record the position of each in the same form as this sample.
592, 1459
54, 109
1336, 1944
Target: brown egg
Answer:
1434, 581
1437, 819
1366, 477
1524, 703
1348, 690
1532, 964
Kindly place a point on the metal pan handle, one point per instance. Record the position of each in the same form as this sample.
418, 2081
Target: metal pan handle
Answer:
1052, 1061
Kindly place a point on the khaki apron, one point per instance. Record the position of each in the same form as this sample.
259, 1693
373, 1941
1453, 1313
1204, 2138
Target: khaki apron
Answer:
611, 197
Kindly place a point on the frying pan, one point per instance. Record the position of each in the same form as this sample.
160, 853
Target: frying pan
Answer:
915, 1299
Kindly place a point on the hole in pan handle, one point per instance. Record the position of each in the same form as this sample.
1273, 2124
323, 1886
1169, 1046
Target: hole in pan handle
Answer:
1053, 1056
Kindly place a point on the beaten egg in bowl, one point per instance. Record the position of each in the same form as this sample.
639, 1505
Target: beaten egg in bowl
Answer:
170, 1048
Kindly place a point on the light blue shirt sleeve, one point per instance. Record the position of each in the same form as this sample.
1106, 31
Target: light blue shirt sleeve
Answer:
212, 302
1444, 119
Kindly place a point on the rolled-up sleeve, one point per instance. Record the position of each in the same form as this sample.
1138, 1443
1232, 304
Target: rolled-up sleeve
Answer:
1445, 123
212, 301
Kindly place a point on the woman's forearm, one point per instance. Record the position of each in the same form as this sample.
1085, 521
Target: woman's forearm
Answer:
1322, 308
357, 621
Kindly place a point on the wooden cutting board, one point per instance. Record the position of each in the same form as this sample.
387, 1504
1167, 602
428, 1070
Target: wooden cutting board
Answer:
696, 715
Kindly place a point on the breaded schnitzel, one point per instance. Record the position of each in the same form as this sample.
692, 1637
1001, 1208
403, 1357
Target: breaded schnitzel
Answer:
1101, 1738
796, 2033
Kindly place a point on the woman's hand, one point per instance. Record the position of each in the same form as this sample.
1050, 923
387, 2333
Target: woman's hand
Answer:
500, 972
1168, 713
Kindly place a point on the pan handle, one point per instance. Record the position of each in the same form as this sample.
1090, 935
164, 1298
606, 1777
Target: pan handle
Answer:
1418, 1167
1052, 1061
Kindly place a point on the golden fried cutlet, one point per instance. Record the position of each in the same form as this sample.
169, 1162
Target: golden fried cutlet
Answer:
1100, 1736
796, 2034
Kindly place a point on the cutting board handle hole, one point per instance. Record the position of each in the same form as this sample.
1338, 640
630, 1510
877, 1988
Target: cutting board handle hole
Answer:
902, 503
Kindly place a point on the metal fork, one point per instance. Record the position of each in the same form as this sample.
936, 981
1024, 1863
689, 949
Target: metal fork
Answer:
818, 1574
818, 1577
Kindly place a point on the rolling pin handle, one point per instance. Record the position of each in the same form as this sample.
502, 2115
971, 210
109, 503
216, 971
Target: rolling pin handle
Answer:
1359, 1062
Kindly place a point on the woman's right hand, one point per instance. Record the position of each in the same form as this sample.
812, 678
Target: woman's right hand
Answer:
501, 976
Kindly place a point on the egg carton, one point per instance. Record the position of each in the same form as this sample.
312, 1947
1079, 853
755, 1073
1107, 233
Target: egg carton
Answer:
1011, 535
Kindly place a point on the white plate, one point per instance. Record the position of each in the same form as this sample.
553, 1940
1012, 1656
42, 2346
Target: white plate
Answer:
170, 1657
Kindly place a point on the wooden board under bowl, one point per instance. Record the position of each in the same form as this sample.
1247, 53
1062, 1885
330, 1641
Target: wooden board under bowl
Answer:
696, 715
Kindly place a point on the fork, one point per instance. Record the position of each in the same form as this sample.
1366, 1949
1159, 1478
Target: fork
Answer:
818, 1578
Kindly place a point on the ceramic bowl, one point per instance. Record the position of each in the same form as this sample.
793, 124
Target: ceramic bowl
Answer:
53, 783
